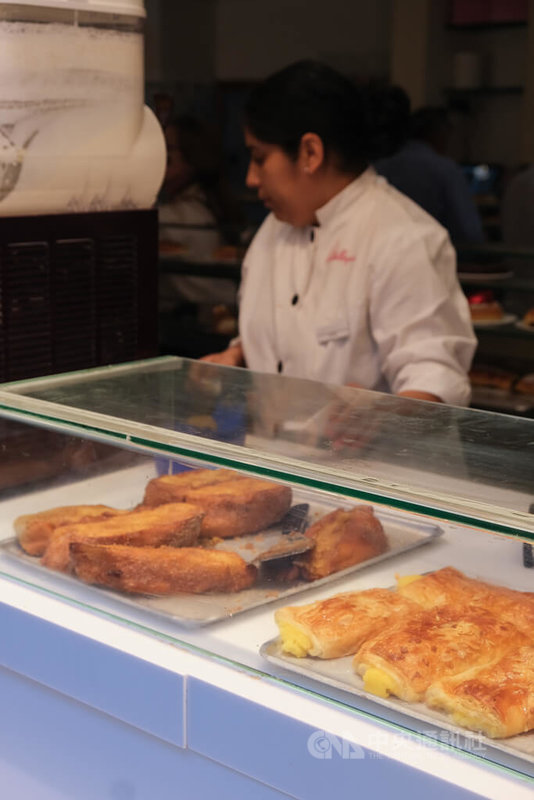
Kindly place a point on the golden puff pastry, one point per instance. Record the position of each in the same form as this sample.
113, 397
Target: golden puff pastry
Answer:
236, 507
172, 488
496, 700
342, 539
450, 586
176, 524
161, 570
419, 649
337, 626
34, 530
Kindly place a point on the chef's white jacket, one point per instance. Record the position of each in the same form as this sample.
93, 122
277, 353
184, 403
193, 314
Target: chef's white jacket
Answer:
368, 296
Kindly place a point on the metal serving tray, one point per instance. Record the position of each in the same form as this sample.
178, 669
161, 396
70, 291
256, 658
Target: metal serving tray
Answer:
339, 674
403, 531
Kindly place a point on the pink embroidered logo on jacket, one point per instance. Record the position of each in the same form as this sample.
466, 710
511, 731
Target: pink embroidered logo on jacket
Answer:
340, 255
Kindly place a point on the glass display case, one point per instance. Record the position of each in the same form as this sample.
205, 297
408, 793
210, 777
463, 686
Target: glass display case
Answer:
447, 490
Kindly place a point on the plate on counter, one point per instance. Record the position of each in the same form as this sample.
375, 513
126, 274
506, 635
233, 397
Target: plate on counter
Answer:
524, 327
339, 674
403, 531
492, 399
506, 319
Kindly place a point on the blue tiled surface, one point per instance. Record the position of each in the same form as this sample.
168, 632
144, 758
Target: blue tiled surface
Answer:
55, 748
294, 757
135, 691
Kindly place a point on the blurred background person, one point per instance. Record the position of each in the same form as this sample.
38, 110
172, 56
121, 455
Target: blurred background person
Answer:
163, 108
517, 225
421, 170
198, 217
389, 117
517, 210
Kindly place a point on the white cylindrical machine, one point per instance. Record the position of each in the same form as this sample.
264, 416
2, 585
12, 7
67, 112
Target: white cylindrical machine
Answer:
74, 132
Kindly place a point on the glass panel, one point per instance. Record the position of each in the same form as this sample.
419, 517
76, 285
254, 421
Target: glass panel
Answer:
462, 464
44, 465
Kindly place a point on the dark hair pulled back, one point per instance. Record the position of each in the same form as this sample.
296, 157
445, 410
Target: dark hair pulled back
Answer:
311, 97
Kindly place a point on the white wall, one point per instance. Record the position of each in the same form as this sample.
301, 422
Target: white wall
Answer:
492, 128
180, 41
199, 42
489, 129
203, 40
256, 37
494, 124
153, 47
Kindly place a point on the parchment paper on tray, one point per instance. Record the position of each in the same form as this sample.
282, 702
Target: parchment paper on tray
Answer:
404, 532
279, 541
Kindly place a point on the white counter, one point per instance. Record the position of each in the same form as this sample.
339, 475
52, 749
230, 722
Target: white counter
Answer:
99, 701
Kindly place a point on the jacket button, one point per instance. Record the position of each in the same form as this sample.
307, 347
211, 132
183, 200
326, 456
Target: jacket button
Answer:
294, 300
280, 366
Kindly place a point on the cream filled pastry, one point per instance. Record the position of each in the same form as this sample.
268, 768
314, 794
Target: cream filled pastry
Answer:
421, 648
338, 625
497, 700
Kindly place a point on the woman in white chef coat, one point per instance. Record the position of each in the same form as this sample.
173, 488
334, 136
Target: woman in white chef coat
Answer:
347, 281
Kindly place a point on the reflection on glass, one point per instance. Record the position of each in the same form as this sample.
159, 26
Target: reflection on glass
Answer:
472, 462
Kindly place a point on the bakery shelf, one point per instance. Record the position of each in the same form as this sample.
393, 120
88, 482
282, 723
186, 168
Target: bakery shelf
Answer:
510, 331
175, 264
483, 90
527, 284
486, 26
494, 250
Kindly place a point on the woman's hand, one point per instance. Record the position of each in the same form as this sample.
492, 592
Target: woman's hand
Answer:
355, 422
231, 357
417, 395
347, 423
352, 423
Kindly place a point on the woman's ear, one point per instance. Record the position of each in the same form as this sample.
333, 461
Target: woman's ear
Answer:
311, 152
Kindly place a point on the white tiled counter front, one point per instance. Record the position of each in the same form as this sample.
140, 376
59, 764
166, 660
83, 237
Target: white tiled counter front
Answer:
95, 708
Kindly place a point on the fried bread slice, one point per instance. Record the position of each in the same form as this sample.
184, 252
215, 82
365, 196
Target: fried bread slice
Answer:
338, 625
497, 700
237, 507
431, 645
176, 524
172, 488
161, 570
342, 538
34, 530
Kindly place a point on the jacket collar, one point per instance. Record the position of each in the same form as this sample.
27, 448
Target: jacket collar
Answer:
332, 210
